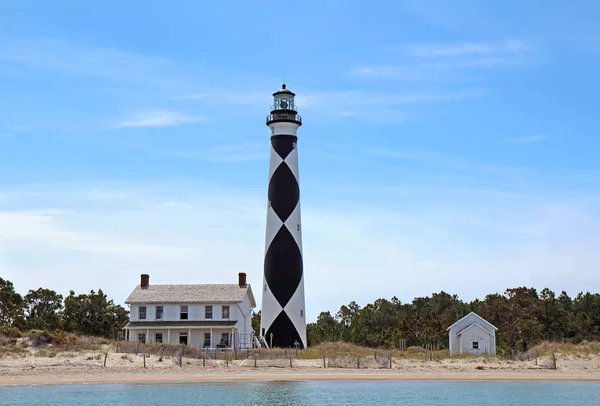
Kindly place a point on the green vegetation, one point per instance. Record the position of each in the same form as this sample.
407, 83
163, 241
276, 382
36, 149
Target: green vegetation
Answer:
90, 314
48, 344
523, 316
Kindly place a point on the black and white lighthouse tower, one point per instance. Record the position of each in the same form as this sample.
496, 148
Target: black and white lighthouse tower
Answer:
283, 318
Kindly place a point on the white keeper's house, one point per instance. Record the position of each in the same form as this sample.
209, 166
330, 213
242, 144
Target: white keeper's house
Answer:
472, 335
205, 316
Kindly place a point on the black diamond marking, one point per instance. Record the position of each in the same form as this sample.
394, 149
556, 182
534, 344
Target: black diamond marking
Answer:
284, 332
283, 144
283, 266
284, 191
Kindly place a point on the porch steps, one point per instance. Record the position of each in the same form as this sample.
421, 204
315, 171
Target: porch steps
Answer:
260, 342
256, 342
264, 341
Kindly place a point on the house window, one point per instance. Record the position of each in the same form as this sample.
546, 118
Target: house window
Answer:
475, 345
225, 339
159, 312
301, 313
183, 314
183, 338
158, 338
142, 313
208, 312
206, 340
141, 337
225, 312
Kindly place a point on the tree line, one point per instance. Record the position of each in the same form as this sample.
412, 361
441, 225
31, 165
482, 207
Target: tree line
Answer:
523, 316
43, 309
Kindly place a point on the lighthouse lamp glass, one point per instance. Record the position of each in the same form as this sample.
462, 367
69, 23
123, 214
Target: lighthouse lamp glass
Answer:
283, 102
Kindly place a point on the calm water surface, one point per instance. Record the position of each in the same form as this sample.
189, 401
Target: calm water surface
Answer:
309, 393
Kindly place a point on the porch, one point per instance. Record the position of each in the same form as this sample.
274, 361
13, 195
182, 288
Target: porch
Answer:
200, 335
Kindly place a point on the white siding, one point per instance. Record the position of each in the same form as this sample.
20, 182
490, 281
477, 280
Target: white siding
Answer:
479, 335
196, 312
241, 313
459, 346
245, 320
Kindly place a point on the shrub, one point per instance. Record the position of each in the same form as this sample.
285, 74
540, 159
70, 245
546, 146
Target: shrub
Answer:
11, 332
38, 338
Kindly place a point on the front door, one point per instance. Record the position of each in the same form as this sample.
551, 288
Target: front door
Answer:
225, 339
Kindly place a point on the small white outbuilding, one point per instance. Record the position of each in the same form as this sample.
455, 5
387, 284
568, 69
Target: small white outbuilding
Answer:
472, 335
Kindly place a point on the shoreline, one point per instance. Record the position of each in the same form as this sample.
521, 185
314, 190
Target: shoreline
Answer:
277, 376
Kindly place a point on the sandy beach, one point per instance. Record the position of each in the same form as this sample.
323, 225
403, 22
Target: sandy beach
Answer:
88, 368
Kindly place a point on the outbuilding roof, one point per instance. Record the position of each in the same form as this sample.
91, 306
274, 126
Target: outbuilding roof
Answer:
473, 325
207, 293
481, 319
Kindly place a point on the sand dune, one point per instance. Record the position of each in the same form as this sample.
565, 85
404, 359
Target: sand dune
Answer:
79, 368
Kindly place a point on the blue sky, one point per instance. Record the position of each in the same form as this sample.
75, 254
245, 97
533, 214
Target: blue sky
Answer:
444, 146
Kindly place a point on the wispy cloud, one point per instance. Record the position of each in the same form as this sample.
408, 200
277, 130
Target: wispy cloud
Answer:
121, 66
343, 99
82, 243
525, 140
157, 118
444, 62
77, 59
465, 48
457, 163
12, 131
232, 153
241, 97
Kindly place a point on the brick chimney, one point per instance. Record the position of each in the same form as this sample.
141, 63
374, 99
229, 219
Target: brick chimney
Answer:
242, 279
145, 281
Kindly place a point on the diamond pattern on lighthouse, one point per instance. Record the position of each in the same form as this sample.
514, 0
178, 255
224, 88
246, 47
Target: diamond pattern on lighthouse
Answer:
275, 160
273, 226
284, 192
293, 225
282, 315
283, 267
269, 302
295, 311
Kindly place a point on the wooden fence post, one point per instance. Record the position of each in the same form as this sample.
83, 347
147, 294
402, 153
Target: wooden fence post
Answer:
105, 356
144, 359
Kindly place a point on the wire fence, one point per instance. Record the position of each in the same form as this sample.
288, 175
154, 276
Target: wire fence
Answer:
258, 357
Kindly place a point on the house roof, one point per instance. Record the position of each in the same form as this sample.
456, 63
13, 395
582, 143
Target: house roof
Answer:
473, 325
180, 323
221, 293
476, 315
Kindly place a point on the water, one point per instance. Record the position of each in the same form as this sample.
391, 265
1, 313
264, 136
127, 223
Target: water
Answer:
308, 393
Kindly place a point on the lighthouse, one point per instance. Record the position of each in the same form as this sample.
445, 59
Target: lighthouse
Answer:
283, 316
